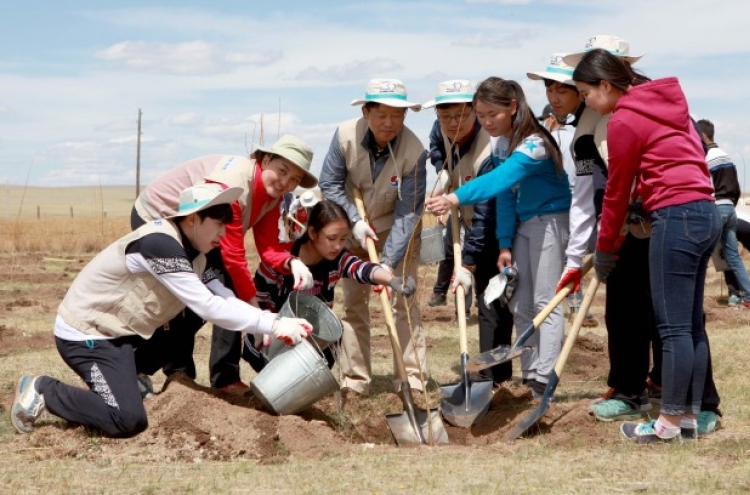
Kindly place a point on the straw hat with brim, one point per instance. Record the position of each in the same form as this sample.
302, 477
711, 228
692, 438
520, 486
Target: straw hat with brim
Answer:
557, 70
202, 196
453, 91
388, 92
308, 199
296, 151
613, 44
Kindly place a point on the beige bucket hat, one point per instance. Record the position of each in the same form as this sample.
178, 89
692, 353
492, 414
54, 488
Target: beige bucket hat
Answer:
557, 70
296, 151
453, 91
613, 44
389, 92
202, 196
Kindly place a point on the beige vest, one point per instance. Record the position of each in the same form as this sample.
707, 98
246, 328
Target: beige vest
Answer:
162, 196
467, 167
106, 299
593, 123
379, 196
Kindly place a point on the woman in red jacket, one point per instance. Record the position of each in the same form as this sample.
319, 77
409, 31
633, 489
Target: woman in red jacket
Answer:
656, 157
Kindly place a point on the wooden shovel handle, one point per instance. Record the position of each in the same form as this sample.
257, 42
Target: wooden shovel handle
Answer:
385, 303
460, 293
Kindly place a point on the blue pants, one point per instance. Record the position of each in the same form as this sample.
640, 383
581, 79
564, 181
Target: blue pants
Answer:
682, 240
730, 247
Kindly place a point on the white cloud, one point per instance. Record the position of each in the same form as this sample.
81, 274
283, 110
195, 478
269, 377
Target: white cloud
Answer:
191, 57
352, 71
186, 119
512, 40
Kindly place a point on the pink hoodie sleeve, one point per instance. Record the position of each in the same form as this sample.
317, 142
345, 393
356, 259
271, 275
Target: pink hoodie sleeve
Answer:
625, 150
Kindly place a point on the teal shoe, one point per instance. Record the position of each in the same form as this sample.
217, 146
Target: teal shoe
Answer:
614, 410
708, 422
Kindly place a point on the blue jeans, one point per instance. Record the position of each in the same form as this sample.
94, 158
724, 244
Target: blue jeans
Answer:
731, 250
682, 240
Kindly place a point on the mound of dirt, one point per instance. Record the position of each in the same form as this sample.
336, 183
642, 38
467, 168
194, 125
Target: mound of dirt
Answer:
192, 423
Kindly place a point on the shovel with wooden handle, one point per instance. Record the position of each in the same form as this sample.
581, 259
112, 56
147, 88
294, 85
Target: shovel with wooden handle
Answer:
413, 426
501, 354
530, 419
465, 402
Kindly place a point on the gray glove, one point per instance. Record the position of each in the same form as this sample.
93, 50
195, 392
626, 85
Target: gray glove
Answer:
604, 263
407, 289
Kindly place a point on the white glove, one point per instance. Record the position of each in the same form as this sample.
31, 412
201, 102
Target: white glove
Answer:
462, 277
362, 231
444, 179
303, 279
291, 330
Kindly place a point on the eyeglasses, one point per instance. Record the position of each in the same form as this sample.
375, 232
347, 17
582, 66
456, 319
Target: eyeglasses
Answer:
447, 119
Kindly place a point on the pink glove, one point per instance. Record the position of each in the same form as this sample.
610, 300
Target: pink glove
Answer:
570, 275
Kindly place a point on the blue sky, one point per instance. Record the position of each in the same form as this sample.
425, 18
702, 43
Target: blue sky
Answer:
73, 74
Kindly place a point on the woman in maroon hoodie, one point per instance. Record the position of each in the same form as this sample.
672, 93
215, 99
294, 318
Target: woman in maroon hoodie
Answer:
656, 158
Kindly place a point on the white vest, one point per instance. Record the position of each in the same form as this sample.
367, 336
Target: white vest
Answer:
106, 299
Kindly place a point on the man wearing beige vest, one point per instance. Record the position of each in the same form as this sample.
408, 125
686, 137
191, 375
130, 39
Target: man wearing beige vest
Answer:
123, 298
386, 161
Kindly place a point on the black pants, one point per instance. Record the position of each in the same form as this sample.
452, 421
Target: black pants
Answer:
445, 268
631, 326
495, 322
113, 403
629, 317
171, 347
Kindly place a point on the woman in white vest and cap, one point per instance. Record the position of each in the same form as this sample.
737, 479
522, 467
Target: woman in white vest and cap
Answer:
385, 160
122, 297
264, 177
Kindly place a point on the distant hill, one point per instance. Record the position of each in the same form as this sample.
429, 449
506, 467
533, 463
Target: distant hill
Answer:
85, 201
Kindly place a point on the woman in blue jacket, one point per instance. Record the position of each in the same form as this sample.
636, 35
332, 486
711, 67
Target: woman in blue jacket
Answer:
532, 197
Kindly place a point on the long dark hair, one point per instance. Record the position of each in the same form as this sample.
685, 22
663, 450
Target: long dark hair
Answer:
502, 92
600, 65
322, 214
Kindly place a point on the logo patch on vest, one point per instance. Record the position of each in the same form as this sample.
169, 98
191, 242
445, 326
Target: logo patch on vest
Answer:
394, 180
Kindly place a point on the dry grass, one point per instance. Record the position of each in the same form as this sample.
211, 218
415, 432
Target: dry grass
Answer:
716, 464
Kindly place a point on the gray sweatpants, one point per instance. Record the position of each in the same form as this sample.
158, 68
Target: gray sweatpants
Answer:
539, 255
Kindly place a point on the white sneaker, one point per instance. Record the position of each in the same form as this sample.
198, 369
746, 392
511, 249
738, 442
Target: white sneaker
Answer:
28, 405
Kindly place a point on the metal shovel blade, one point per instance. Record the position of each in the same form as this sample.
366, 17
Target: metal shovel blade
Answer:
530, 419
494, 357
463, 404
430, 426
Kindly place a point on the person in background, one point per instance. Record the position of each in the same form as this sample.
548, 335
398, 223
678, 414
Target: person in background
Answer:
125, 295
528, 184
727, 194
385, 160
465, 148
322, 249
652, 136
265, 177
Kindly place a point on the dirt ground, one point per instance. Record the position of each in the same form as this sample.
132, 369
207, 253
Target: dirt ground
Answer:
191, 423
